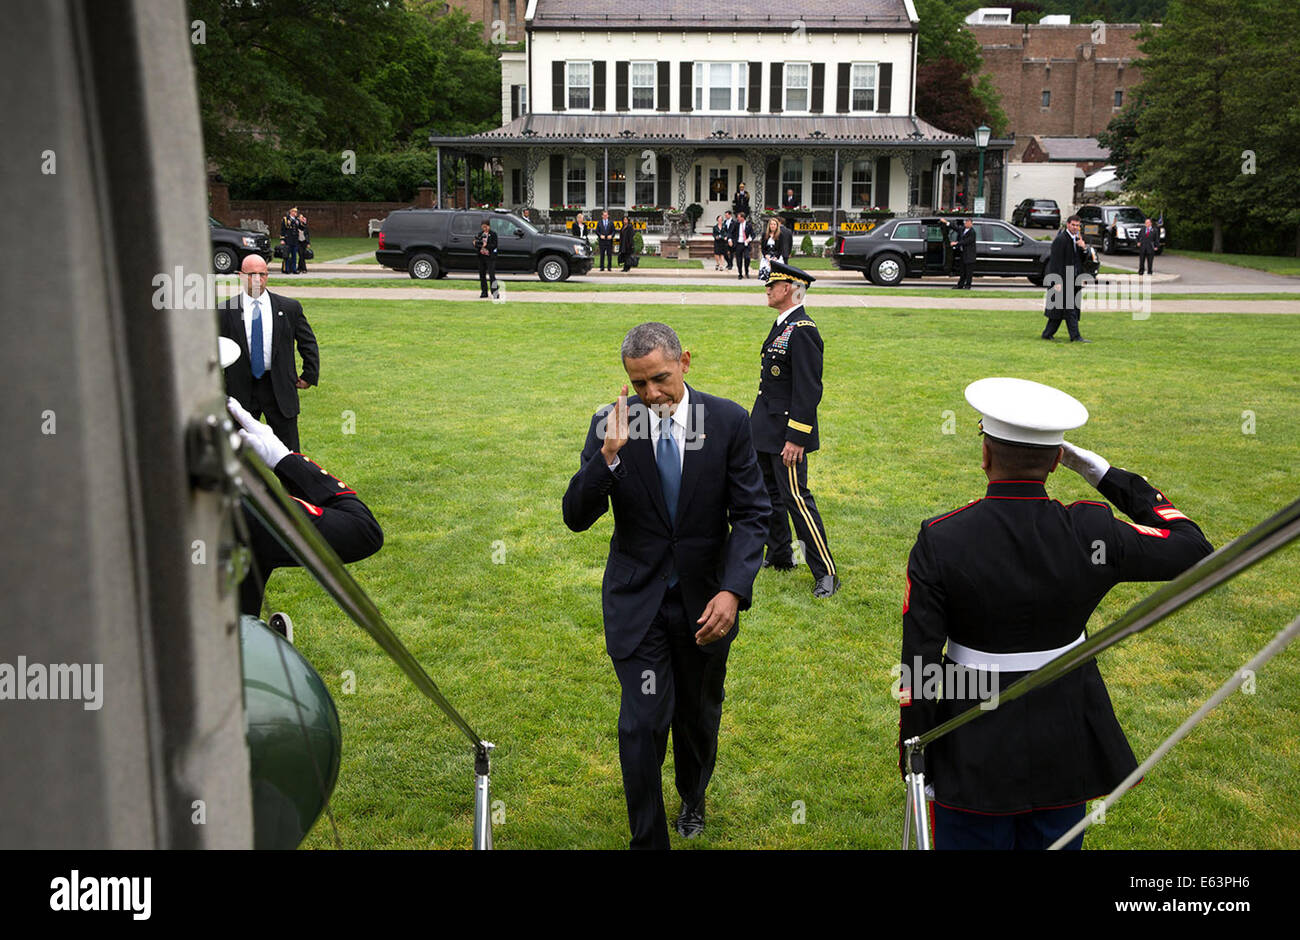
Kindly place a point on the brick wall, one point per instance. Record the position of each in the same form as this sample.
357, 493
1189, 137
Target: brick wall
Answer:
1082, 76
325, 219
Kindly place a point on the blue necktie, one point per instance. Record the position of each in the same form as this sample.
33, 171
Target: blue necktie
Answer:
255, 354
670, 475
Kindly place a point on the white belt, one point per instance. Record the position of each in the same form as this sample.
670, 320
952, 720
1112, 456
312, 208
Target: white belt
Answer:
1006, 662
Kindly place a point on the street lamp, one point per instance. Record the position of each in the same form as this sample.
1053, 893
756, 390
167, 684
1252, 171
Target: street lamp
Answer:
981, 141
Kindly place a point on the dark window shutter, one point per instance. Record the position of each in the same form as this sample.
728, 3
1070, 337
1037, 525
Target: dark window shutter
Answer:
772, 184
598, 86
882, 182
818, 87
557, 87
662, 95
755, 96
776, 94
687, 92
557, 180
620, 86
842, 88
884, 86
514, 102
665, 173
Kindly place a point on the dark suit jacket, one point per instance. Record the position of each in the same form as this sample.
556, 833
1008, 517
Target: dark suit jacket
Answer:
1067, 263
734, 232
1149, 242
966, 242
578, 229
784, 243
490, 244
605, 232
717, 539
287, 324
740, 203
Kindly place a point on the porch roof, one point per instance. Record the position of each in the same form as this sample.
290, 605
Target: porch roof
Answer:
810, 130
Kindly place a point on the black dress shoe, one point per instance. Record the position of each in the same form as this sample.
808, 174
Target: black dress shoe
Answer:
779, 565
690, 820
826, 586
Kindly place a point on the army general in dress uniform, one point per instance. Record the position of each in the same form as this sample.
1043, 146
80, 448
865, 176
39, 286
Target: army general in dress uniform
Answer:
784, 422
1008, 582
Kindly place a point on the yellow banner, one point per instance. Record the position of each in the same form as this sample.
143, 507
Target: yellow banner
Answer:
812, 226
638, 226
857, 226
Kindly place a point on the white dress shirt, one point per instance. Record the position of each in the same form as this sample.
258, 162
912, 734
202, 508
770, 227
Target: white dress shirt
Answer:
677, 427
268, 316
786, 312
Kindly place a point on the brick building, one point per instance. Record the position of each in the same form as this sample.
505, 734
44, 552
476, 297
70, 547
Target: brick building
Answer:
508, 13
1060, 80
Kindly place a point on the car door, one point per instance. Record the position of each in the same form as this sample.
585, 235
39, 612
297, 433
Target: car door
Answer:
908, 240
513, 246
1003, 248
460, 254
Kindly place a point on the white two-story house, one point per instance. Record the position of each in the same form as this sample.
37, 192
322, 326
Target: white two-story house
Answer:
682, 102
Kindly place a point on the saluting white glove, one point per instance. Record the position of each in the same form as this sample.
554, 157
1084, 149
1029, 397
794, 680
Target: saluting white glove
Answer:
1091, 466
258, 436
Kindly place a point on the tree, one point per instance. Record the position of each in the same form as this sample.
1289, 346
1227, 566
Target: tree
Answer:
1121, 137
950, 92
946, 97
1213, 83
276, 77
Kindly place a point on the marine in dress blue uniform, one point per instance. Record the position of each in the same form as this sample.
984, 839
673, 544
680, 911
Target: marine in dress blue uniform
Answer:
1008, 583
784, 422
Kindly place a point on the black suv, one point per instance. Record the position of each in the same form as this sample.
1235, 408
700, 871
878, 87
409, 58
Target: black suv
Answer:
230, 246
427, 243
1043, 212
1117, 228
910, 247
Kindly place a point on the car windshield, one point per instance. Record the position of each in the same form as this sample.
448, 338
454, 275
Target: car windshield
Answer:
1130, 215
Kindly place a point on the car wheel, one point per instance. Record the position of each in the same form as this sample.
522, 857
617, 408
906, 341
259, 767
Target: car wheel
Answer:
552, 268
1107, 244
224, 260
887, 270
423, 267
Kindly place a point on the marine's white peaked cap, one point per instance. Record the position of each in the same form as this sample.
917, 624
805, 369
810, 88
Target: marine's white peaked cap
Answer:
229, 351
1019, 411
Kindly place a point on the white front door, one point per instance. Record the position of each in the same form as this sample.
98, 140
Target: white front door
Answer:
718, 186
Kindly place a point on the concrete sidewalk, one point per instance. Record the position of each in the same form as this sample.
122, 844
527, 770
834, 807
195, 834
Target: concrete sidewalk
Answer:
969, 302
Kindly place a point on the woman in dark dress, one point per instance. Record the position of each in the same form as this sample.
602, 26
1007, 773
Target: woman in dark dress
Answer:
719, 243
777, 241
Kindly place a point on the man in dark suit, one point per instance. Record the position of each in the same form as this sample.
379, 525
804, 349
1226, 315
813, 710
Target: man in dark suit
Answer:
266, 326
964, 247
742, 236
1008, 583
740, 201
789, 203
627, 244
784, 425
1064, 267
679, 470
605, 240
728, 230
485, 245
1148, 242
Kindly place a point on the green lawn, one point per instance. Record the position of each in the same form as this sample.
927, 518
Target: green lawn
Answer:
1273, 264
331, 249
468, 423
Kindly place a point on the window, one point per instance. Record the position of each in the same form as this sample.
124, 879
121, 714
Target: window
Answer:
518, 101
645, 185
796, 86
988, 232
792, 178
643, 85
1119, 97
513, 7
1047, 99
523, 99
465, 223
862, 85
721, 86
908, 230
617, 182
860, 189
823, 182
496, 11
579, 84
504, 227
575, 182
